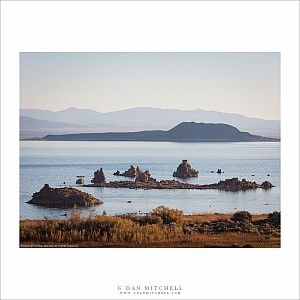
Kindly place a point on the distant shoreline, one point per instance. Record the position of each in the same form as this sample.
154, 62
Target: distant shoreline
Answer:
42, 140
184, 132
39, 123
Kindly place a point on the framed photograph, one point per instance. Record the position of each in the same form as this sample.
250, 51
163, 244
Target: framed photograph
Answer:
147, 160
164, 174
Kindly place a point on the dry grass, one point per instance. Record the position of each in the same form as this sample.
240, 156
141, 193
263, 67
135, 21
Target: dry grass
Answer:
224, 240
217, 216
163, 228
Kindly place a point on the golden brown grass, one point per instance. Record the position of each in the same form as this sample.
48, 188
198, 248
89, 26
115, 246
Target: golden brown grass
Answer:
217, 216
206, 240
163, 227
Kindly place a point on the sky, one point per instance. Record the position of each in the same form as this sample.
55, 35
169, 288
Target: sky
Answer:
245, 83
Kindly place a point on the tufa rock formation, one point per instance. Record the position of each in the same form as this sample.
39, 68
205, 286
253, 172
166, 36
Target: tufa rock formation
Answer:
63, 197
80, 181
99, 177
136, 173
184, 170
266, 185
234, 184
145, 181
131, 172
144, 177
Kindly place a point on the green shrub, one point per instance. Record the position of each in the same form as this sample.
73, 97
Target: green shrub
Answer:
241, 216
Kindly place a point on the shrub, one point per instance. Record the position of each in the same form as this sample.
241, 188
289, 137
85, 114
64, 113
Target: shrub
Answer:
241, 216
274, 217
151, 219
168, 215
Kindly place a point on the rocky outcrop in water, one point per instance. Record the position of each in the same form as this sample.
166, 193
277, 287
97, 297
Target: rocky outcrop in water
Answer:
137, 173
131, 172
63, 197
184, 170
266, 185
99, 177
232, 185
144, 177
80, 181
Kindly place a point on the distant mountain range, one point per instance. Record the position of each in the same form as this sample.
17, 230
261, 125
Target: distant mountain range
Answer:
39, 123
183, 132
31, 127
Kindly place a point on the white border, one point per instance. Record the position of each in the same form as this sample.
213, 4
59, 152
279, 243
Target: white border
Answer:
150, 26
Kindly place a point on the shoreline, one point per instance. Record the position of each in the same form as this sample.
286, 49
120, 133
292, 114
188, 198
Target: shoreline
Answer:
276, 140
202, 216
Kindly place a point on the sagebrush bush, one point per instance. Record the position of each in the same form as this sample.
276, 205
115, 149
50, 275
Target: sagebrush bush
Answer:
241, 216
151, 219
275, 217
168, 215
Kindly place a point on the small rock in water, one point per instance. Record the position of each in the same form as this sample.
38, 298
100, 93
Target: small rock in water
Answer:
268, 175
80, 181
266, 185
117, 173
252, 175
128, 201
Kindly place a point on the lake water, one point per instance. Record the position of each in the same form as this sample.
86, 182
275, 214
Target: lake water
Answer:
58, 162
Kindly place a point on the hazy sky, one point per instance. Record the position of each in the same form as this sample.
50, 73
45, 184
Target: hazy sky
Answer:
246, 83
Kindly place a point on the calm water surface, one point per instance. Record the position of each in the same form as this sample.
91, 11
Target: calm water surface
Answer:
58, 162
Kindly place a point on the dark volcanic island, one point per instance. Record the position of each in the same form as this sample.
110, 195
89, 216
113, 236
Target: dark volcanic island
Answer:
183, 132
